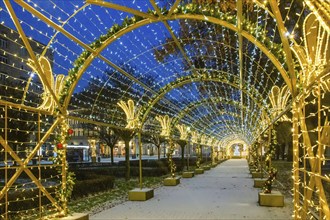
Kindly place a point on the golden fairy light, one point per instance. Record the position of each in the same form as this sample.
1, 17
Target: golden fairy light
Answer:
183, 131
165, 122
47, 77
279, 101
131, 113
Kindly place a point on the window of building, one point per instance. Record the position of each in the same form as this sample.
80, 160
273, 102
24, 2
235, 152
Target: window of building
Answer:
3, 43
3, 59
3, 76
23, 52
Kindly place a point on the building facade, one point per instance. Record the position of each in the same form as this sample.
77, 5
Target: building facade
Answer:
16, 77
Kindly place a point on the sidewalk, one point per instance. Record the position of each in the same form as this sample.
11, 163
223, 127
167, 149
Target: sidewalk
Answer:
224, 192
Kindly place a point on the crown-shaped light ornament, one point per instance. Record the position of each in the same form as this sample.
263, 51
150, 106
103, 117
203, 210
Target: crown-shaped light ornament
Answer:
279, 100
131, 113
47, 77
315, 55
210, 141
195, 137
203, 139
183, 131
165, 122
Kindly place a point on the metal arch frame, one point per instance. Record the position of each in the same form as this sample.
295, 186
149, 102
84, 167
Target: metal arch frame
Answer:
231, 142
245, 34
197, 104
100, 49
225, 125
50, 42
96, 53
31, 53
138, 24
289, 60
189, 108
218, 122
239, 6
148, 19
185, 80
225, 45
176, 2
206, 117
231, 138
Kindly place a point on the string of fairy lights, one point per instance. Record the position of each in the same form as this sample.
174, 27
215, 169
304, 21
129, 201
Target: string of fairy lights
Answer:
134, 53
62, 10
76, 54
24, 190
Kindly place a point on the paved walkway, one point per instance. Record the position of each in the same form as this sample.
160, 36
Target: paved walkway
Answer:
224, 192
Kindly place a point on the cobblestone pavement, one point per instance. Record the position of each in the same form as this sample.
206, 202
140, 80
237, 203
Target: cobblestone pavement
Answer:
224, 192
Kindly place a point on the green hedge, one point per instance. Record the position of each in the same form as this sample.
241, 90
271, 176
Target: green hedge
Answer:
96, 184
120, 171
23, 200
46, 172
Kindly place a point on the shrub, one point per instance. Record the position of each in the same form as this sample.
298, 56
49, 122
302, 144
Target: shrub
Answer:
89, 186
24, 199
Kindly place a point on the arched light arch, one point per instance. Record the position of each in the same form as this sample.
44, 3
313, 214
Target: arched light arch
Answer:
147, 20
195, 78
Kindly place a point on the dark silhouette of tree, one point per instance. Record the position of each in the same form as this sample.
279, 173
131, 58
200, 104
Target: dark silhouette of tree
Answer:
154, 139
109, 137
182, 144
126, 135
284, 140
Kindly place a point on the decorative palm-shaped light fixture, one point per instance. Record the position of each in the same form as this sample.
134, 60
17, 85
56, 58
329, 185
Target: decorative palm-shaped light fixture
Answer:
165, 122
183, 142
315, 55
52, 88
47, 78
195, 137
203, 139
183, 132
314, 58
210, 141
132, 124
131, 113
279, 99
